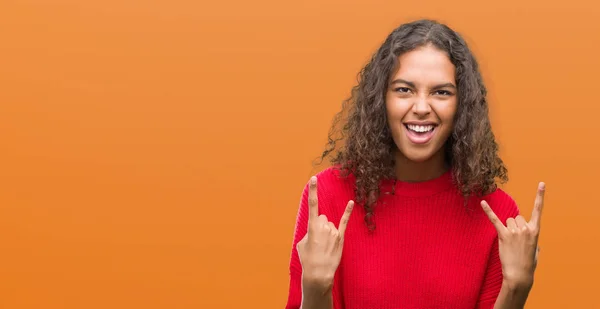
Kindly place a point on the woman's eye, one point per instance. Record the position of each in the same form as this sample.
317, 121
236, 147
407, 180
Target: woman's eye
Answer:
402, 89
443, 92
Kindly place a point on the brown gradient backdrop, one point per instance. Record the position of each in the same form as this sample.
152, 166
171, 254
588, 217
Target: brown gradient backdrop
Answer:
153, 153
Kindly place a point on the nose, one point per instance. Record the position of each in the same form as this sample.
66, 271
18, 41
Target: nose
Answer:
421, 106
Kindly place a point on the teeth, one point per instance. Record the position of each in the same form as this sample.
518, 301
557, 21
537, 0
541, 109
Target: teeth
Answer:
420, 129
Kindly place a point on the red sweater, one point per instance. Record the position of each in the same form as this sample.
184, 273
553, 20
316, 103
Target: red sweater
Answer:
428, 250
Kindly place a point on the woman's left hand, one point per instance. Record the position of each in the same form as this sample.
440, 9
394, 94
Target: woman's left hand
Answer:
518, 243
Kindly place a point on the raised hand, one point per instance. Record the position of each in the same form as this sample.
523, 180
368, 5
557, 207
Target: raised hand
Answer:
518, 242
320, 250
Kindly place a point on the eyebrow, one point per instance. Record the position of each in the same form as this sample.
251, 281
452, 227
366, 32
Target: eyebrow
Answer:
411, 84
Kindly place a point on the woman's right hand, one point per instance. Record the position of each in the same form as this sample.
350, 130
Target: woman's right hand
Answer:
320, 251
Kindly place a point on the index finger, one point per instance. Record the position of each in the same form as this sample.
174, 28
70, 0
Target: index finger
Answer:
492, 216
538, 206
313, 201
346, 217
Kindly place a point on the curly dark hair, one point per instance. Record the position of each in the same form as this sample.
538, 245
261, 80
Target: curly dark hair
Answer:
360, 140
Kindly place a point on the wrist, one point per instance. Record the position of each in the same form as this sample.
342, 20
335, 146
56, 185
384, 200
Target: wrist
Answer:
518, 286
317, 285
513, 294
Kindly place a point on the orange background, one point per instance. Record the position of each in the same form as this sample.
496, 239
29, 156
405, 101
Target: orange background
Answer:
153, 153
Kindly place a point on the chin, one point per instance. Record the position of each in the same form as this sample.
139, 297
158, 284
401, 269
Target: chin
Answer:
418, 156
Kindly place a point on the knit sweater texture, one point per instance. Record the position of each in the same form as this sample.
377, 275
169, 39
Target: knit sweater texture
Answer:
429, 249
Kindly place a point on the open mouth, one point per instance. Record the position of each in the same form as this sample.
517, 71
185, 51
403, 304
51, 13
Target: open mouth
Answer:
420, 134
420, 129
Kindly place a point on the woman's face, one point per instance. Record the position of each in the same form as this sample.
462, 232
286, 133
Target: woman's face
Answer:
421, 102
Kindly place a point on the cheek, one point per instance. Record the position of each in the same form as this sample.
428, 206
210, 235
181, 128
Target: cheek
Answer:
446, 116
446, 111
396, 109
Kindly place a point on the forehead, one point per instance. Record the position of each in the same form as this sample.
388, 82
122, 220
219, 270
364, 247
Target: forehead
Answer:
424, 65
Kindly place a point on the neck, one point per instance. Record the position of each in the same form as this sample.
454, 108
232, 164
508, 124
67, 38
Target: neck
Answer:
411, 171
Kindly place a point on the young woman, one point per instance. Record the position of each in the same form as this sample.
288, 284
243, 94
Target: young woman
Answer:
429, 229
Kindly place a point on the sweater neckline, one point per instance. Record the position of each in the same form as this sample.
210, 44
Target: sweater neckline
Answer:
422, 188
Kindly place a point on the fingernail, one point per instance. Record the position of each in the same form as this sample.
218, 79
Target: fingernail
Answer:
542, 186
313, 180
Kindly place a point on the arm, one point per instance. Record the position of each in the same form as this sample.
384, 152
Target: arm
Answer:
295, 294
498, 292
316, 254
315, 299
301, 295
512, 296
517, 251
